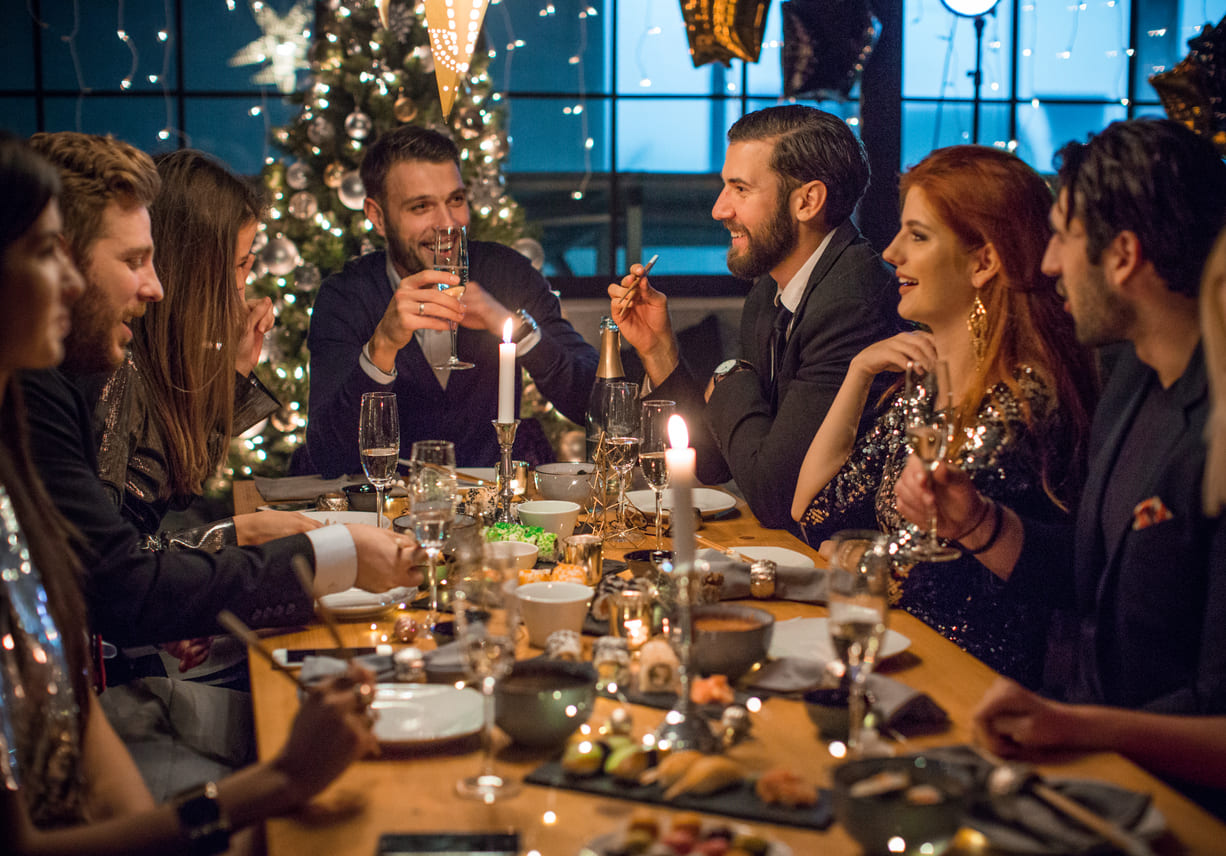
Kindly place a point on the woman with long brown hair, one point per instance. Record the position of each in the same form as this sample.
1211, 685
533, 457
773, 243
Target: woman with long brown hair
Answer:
968, 255
67, 786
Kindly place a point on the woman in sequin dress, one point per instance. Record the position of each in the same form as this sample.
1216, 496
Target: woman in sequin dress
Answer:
67, 785
968, 254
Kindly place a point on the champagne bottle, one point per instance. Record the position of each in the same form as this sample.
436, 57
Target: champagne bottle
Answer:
607, 370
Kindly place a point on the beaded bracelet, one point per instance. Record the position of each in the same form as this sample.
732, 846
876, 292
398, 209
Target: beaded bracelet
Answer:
983, 515
998, 520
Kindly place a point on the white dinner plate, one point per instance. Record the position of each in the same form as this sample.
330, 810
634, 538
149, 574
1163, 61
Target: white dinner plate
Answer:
809, 638
487, 474
367, 517
781, 556
356, 604
706, 499
421, 714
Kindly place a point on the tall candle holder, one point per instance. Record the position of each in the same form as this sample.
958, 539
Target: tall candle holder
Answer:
506, 496
683, 727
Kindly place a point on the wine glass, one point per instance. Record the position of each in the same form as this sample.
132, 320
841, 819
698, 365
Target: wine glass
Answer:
858, 583
432, 490
622, 438
487, 619
651, 455
379, 442
929, 432
451, 255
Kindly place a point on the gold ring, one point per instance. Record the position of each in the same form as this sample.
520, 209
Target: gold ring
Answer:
421, 309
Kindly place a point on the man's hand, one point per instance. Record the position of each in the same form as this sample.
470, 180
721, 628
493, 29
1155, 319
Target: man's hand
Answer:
641, 314
416, 305
259, 527
191, 652
386, 559
958, 503
260, 319
483, 312
1010, 719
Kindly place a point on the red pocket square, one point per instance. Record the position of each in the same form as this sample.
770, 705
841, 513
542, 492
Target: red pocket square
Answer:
1148, 512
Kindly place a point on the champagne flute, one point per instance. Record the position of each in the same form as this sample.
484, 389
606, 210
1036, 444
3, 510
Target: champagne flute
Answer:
379, 442
929, 433
858, 584
651, 455
487, 618
451, 256
432, 492
622, 439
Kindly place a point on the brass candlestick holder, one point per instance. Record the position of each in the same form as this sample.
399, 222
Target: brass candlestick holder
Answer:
506, 496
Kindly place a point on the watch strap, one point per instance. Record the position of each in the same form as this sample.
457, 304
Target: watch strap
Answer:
204, 825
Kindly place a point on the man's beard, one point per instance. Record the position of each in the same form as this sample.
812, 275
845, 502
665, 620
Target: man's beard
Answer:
90, 346
405, 260
767, 247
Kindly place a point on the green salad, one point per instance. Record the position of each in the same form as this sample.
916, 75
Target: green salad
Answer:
544, 541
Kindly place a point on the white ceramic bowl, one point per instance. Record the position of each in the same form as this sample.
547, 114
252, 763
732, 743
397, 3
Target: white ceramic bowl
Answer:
547, 607
525, 554
571, 482
553, 515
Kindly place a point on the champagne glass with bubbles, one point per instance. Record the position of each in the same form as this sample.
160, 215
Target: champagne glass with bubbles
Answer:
451, 256
858, 585
432, 494
487, 621
651, 454
930, 427
379, 442
622, 439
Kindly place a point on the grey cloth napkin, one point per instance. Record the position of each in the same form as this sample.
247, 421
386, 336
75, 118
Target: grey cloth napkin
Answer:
900, 707
806, 585
1023, 823
317, 668
302, 487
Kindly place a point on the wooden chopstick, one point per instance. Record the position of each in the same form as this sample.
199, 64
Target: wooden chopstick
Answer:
234, 624
727, 551
625, 299
304, 576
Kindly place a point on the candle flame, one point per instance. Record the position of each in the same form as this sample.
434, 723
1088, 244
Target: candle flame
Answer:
678, 434
506, 332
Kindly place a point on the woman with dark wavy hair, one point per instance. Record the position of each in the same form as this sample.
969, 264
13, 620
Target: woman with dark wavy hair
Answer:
968, 255
67, 785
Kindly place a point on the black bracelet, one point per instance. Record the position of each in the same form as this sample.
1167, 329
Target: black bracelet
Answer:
203, 824
983, 515
998, 520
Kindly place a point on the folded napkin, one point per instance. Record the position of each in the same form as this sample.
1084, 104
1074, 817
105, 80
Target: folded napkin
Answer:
1023, 823
302, 487
806, 585
315, 669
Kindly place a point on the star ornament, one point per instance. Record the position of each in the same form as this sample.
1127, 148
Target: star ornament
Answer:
283, 45
453, 26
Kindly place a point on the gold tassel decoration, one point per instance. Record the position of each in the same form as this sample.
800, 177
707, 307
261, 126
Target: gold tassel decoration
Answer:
977, 323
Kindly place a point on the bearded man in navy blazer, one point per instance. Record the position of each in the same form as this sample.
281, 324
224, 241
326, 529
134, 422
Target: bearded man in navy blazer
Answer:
792, 176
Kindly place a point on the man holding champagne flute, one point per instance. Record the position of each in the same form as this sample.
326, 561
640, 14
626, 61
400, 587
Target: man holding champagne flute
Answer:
384, 322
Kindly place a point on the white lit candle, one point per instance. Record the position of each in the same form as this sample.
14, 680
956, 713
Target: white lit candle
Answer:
680, 461
506, 377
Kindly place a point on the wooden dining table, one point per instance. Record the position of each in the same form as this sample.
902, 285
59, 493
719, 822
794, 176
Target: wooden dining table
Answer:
413, 791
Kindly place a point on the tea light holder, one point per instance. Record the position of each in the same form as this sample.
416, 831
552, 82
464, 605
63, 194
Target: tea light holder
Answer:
682, 727
506, 472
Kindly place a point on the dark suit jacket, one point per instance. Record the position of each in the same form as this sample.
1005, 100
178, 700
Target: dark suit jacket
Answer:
1150, 602
349, 307
134, 596
850, 302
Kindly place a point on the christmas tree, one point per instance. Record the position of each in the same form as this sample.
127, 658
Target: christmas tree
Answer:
366, 79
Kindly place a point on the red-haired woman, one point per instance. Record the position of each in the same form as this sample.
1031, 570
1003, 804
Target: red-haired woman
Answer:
968, 254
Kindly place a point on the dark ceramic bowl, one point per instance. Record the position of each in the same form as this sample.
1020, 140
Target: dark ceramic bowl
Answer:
921, 818
543, 702
827, 707
362, 497
646, 563
729, 639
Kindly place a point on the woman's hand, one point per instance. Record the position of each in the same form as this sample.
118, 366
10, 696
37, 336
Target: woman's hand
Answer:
259, 527
893, 354
260, 319
958, 503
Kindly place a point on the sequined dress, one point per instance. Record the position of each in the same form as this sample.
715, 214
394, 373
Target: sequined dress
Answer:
40, 737
962, 600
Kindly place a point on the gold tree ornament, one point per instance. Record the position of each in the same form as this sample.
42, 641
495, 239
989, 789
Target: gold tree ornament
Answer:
454, 26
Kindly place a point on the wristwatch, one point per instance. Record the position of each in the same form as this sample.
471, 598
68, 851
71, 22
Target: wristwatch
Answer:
204, 825
526, 333
729, 367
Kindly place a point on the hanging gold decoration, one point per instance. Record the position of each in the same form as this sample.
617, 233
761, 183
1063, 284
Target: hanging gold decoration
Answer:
723, 30
453, 26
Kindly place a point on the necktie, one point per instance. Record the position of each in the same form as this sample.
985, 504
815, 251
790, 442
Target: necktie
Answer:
779, 337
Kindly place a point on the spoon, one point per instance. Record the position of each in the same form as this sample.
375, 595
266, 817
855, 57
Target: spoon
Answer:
1007, 779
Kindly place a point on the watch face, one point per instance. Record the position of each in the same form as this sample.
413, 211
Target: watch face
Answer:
725, 367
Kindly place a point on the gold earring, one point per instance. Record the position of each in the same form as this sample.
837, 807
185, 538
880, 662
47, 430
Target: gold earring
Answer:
977, 323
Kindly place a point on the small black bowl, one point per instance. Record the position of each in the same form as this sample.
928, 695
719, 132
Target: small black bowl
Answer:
646, 563
362, 497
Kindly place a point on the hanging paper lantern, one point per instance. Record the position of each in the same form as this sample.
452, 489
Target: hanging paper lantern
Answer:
826, 44
352, 192
334, 174
280, 255
1194, 91
723, 30
453, 26
298, 175
303, 205
358, 125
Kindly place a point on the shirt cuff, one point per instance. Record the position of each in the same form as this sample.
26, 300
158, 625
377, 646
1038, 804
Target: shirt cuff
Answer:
373, 372
527, 343
336, 559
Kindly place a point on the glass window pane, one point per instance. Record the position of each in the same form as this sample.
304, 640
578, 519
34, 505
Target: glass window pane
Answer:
574, 232
765, 77
17, 48
136, 119
939, 51
672, 135
1075, 50
1042, 131
930, 125
18, 116
547, 135
1164, 42
103, 58
653, 53
213, 35
549, 42
225, 128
